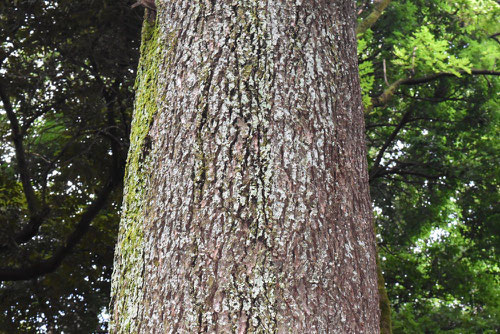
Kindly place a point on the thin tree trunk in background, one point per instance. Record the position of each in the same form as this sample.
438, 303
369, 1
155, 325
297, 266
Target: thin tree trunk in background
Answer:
246, 203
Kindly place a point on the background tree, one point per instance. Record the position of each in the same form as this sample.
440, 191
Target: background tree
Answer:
430, 83
66, 74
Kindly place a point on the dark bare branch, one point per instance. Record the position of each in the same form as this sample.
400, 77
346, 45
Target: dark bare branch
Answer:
17, 139
149, 4
387, 95
376, 165
47, 266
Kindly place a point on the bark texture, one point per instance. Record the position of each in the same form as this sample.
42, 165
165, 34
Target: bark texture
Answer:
246, 205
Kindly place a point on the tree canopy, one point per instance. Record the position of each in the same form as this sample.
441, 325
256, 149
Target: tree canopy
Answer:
430, 89
67, 70
430, 86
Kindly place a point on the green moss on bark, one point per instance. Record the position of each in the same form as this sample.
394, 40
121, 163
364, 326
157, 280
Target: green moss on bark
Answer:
127, 280
385, 305
137, 164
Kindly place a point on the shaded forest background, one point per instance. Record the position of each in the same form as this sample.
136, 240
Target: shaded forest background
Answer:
430, 89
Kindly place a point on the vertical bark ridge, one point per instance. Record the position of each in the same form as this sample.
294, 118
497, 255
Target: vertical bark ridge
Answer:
257, 216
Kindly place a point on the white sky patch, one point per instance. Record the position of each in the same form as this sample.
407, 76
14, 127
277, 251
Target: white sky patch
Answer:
104, 316
438, 234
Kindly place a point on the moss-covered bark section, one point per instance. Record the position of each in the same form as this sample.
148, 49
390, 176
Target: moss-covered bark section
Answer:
127, 280
385, 305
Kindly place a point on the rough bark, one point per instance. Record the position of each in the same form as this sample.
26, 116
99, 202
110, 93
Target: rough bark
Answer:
246, 204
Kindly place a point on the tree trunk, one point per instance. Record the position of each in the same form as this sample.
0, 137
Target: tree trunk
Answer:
246, 204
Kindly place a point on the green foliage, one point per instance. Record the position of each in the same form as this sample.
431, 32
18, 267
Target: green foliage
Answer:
365, 68
435, 186
422, 53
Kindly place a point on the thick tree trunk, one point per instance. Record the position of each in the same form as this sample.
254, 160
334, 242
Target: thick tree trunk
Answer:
246, 205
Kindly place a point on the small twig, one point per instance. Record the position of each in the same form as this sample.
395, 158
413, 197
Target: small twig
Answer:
413, 62
385, 73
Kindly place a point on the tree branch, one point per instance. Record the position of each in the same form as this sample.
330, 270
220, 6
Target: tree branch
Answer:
405, 168
50, 265
376, 165
387, 95
398, 171
494, 37
432, 77
370, 20
22, 166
